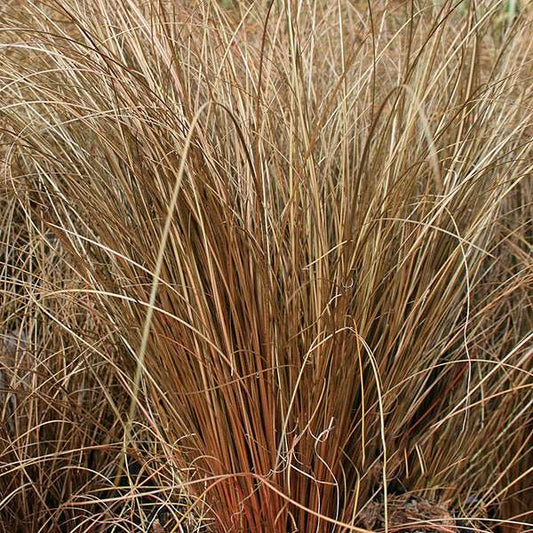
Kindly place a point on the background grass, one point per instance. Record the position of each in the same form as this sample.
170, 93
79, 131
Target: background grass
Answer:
265, 266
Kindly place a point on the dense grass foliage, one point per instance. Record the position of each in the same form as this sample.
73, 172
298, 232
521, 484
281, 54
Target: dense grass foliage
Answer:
265, 266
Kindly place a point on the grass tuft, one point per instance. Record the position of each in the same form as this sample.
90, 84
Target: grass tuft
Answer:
265, 266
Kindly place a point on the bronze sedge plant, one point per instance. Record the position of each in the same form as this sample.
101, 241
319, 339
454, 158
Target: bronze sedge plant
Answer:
61, 398
308, 224
56, 426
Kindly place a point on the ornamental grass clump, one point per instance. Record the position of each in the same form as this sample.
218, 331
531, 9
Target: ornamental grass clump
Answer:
278, 255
